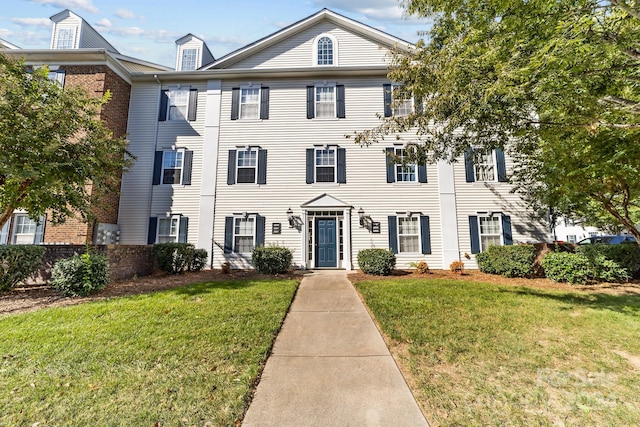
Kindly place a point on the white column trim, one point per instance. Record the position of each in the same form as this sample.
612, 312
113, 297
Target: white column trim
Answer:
304, 249
448, 214
346, 235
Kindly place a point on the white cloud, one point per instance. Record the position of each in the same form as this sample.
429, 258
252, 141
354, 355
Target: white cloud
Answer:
377, 10
104, 23
70, 4
32, 22
125, 14
4, 33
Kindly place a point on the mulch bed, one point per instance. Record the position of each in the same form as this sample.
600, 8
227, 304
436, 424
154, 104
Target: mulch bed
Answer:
33, 297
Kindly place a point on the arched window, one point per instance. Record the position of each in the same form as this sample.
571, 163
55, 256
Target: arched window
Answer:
325, 51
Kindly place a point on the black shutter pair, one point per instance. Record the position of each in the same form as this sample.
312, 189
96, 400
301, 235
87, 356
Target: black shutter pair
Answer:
264, 103
187, 165
474, 231
340, 103
341, 165
228, 232
500, 165
425, 234
192, 107
261, 173
153, 230
391, 167
388, 101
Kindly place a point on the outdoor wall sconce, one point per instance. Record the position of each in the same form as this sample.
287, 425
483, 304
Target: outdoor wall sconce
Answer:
365, 220
294, 220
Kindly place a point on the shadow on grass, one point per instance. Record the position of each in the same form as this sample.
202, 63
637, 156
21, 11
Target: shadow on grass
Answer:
626, 304
208, 287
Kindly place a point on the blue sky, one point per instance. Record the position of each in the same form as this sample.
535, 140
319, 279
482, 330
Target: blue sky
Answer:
148, 29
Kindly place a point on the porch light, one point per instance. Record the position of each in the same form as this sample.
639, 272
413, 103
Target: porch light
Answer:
365, 220
294, 221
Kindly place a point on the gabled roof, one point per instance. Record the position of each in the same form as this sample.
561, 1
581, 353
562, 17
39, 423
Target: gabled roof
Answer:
384, 39
67, 13
6, 45
325, 201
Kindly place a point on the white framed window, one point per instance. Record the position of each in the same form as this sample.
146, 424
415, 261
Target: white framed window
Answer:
325, 164
168, 229
571, 238
408, 234
401, 107
66, 38
178, 104
189, 59
490, 228
249, 102
172, 167
247, 165
325, 101
57, 76
325, 51
244, 234
484, 166
24, 230
404, 172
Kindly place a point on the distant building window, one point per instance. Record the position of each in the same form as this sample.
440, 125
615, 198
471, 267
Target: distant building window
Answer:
172, 165
325, 165
25, 230
405, 172
409, 234
57, 76
189, 58
244, 235
325, 51
178, 104
571, 238
168, 229
402, 107
66, 38
250, 103
490, 231
325, 101
247, 165
485, 166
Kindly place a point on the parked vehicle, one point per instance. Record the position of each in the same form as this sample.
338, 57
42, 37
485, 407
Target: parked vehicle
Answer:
607, 240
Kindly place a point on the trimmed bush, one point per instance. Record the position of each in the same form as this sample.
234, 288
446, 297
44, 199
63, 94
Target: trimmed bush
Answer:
421, 267
612, 262
17, 263
380, 262
80, 275
566, 267
271, 259
508, 261
175, 258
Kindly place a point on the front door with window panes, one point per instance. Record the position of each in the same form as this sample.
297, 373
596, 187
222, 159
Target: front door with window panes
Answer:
326, 243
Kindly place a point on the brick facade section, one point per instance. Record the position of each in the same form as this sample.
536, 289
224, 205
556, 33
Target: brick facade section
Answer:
96, 80
125, 261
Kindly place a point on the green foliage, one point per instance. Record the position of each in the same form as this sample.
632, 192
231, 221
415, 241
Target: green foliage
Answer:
421, 267
380, 262
567, 267
612, 263
53, 143
271, 259
508, 261
18, 262
175, 258
80, 275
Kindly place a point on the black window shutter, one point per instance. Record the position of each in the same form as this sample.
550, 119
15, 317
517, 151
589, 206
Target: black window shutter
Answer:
506, 230
417, 103
39, 235
193, 104
500, 165
231, 168
311, 102
264, 103
183, 231
188, 165
228, 234
391, 166
310, 165
164, 103
262, 166
260, 230
468, 165
425, 234
153, 228
4, 234
340, 109
387, 100
235, 103
393, 234
157, 168
422, 173
342, 166
475, 234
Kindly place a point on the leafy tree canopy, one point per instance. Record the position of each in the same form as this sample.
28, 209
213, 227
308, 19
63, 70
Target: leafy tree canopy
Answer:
52, 146
556, 83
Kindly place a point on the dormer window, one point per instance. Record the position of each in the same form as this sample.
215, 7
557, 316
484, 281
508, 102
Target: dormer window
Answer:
325, 50
189, 59
66, 37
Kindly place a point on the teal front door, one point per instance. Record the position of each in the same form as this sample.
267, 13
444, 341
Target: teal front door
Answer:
326, 245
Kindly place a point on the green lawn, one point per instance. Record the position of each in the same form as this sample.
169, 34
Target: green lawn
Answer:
480, 354
189, 356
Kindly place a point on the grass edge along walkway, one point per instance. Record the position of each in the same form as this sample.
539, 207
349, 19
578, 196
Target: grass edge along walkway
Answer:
187, 356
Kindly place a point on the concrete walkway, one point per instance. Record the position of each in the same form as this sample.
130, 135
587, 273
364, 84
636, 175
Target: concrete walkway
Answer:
330, 366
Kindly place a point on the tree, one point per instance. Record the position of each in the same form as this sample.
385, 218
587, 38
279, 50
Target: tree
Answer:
56, 155
556, 83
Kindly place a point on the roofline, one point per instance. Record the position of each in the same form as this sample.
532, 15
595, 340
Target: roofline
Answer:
141, 61
113, 49
8, 45
301, 24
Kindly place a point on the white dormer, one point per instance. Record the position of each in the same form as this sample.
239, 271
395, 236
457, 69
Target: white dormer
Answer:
70, 31
192, 53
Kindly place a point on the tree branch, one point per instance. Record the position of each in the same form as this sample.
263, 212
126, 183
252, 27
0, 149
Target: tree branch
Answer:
626, 8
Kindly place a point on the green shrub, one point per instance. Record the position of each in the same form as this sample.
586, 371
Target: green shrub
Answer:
18, 262
612, 262
508, 261
80, 275
380, 262
175, 258
271, 259
567, 267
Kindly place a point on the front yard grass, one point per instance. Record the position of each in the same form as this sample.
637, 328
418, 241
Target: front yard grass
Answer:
188, 356
479, 354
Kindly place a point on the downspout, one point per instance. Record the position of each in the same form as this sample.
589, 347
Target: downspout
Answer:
155, 145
